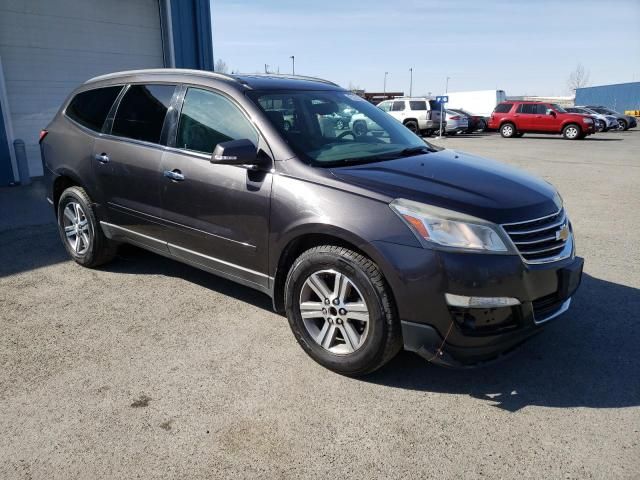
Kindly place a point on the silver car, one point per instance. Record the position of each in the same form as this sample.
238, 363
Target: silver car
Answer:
603, 122
456, 122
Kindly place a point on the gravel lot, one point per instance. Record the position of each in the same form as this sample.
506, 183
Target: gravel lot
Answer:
148, 368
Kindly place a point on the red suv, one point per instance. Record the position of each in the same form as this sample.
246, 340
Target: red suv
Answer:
516, 118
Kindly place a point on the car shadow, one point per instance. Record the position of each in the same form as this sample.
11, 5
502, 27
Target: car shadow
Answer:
132, 260
586, 358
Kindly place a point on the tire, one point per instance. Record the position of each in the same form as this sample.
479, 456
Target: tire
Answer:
359, 128
482, 126
601, 126
572, 132
622, 124
340, 125
349, 345
508, 130
412, 125
80, 231
286, 125
427, 133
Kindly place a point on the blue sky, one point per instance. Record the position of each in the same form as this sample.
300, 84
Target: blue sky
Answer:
523, 47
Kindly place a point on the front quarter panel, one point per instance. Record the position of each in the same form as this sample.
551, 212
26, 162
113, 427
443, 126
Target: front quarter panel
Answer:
302, 207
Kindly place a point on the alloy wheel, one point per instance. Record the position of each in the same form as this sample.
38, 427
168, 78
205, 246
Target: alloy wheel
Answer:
572, 132
621, 124
334, 312
76, 228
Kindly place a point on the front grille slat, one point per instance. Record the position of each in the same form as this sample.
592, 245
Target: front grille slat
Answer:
540, 240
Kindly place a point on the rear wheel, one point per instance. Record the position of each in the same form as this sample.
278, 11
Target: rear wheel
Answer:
482, 125
359, 128
80, 231
340, 310
572, 132
508, 130
412, 125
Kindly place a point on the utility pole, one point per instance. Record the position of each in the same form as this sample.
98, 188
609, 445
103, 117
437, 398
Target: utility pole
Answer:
410, 81
384, 88
293, 64
446, 87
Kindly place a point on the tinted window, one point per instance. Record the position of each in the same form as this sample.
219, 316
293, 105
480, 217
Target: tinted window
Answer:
91, 108
528, 108
141, 112
503, 108
434, 105
208, 119
398, 106
418, 105
542, 109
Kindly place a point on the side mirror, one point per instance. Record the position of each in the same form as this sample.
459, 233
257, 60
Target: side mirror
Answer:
551, 112
235, 152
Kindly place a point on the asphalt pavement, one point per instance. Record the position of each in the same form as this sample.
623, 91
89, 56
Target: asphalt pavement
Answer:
147, 368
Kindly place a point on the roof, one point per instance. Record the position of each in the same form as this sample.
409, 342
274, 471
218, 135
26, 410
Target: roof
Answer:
252, 81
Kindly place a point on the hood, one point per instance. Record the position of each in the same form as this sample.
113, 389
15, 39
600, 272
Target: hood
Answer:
457, 181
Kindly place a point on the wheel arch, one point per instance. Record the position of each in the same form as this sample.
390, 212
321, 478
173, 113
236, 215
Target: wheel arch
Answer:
321, 235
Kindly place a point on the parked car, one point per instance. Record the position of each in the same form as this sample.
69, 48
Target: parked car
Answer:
456, 122
420, 115
515, 118
625, 122
367, 243
603, 122
476, 122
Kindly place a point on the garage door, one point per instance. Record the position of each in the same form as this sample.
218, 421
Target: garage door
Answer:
48, 48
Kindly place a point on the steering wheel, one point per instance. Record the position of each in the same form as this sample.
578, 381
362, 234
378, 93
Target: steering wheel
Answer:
344, 134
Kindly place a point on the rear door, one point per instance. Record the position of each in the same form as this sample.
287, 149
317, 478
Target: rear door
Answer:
525, 116
217, 215
127, 164
398, 110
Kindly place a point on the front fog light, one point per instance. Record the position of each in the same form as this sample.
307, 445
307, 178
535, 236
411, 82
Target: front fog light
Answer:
480, 302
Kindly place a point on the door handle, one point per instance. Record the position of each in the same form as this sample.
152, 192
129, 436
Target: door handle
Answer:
174, 175
102, 158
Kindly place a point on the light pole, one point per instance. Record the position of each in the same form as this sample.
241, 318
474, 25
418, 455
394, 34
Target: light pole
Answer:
384, 87
293, 64
410, 81
446, 87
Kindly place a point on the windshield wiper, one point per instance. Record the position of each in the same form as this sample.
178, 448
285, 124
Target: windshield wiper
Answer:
407, 152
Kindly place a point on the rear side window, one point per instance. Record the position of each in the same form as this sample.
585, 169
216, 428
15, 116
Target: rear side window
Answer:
91, 108
418, 105
527, 108
208, 119
141, 112
397, 106
503, 108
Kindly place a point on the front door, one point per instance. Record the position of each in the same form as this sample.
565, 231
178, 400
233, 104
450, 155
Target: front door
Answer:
217, 215
546, 119
127, 164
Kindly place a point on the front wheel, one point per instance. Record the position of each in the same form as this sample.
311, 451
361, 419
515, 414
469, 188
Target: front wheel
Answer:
411, 125
80, 231
622, 124
571, 132
340, 310
601, 126
360, 128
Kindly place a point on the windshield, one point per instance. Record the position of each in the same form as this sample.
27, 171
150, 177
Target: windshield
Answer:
329, 128
558, 108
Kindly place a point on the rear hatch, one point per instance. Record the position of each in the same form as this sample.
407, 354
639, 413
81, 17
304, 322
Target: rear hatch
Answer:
434, 111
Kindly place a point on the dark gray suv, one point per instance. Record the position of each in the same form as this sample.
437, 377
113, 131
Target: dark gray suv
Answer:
368, 242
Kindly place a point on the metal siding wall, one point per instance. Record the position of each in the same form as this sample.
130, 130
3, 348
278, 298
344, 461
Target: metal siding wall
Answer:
192, 41
6, 172
619, 97
50, 47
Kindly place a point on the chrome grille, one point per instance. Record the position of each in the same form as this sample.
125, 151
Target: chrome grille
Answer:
542, 240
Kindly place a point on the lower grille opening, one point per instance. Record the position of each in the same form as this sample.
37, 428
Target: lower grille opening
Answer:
546, 306
485, 321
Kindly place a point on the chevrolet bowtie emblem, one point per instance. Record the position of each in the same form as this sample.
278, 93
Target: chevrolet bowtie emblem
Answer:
563, 233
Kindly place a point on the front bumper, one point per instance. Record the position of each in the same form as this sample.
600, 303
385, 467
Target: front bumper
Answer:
456, 336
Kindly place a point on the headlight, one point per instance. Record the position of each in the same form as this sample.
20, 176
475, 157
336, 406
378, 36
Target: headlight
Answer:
587, 120
447, 228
